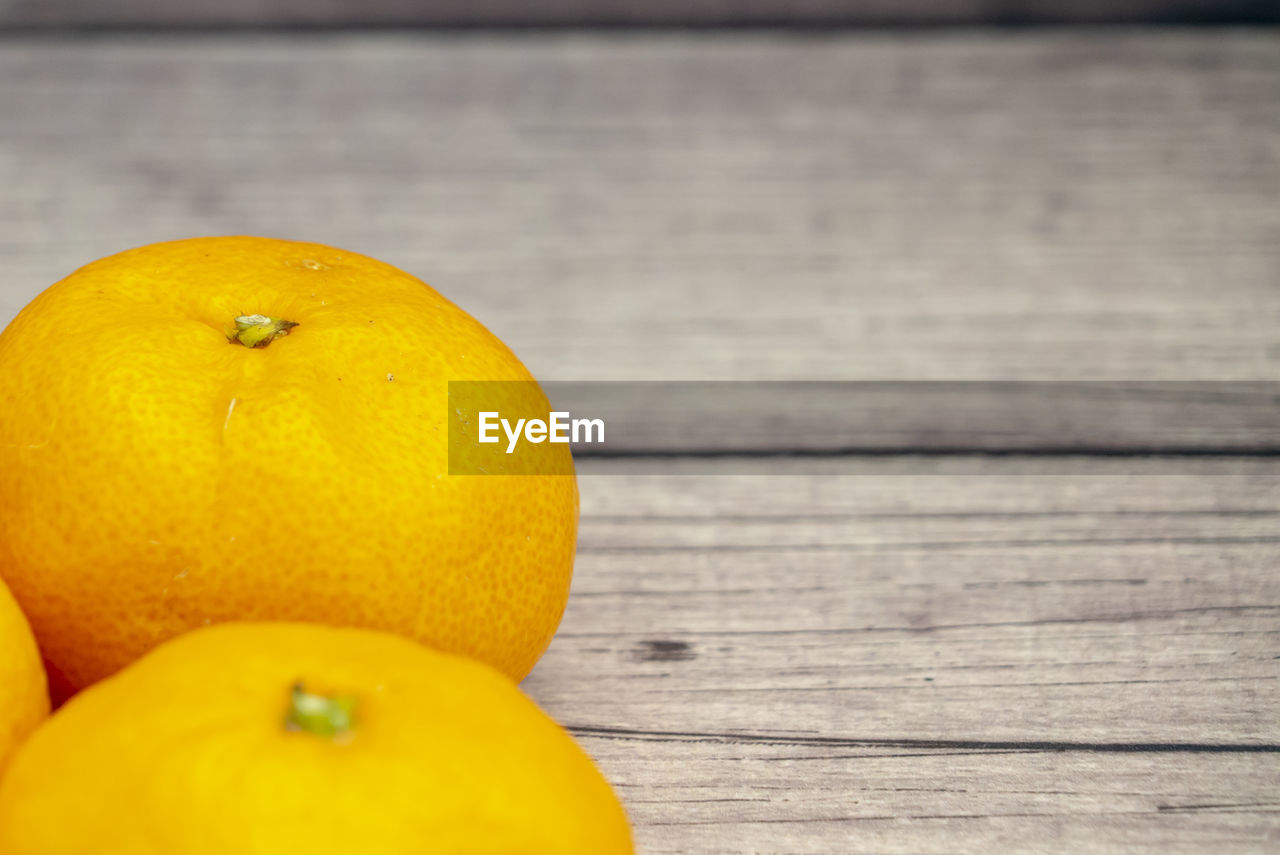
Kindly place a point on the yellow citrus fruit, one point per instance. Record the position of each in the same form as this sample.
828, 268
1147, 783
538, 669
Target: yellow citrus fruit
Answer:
158, 474
24, 700
278, 739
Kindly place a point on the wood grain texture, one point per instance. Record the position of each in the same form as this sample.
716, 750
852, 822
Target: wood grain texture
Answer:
977, 663
842, 654
719, 419
1069, 206
330, 13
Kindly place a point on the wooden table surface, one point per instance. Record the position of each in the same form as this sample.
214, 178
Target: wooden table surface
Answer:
1073, 648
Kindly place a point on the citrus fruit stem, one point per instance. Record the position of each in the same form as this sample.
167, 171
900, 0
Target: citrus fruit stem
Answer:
258, 330
321, 715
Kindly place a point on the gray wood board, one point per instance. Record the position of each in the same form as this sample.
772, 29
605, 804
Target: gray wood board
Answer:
954, 206
850, 418
1003, 655
961, 663
257, 13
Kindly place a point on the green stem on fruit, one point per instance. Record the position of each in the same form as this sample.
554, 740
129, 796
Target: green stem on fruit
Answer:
330, 716
258, 330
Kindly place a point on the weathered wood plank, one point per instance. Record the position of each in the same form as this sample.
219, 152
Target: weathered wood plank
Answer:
246, 13
1004, 655
961, 663
858, 418
1007, 654
1046, 206
688, 795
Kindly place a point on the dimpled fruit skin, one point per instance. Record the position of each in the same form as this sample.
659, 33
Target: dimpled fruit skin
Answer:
156, 477
186, 753
24, 701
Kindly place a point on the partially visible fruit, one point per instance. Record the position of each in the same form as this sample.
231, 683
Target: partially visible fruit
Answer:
279, 739
24, 698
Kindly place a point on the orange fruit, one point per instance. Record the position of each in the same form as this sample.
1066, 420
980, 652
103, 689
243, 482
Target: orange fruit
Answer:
157, 474
276, 738
24, 700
